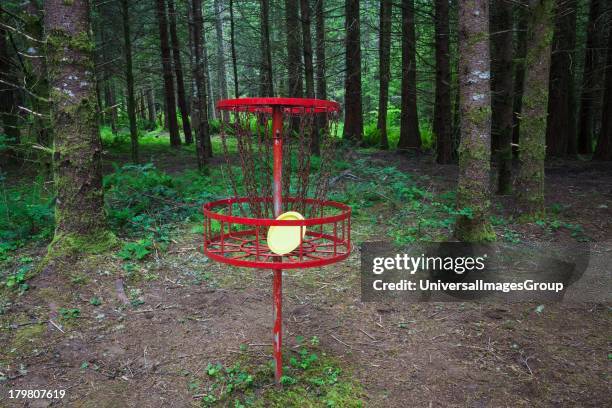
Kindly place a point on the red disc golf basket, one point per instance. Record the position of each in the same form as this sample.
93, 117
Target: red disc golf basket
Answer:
278, 157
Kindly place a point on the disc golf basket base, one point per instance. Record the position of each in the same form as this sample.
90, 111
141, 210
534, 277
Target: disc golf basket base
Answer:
238, 230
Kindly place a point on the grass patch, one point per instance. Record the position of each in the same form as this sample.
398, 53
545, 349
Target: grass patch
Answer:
311, 379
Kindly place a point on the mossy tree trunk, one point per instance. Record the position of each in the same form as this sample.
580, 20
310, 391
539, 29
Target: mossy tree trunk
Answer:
501, 89
410, 137
384, 70
353, 114
475, 105
129, 79
532, 146
442, 106
80, 223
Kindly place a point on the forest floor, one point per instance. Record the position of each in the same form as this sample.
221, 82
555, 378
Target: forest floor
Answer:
167, 330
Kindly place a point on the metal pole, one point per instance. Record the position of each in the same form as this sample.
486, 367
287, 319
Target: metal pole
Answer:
277, 285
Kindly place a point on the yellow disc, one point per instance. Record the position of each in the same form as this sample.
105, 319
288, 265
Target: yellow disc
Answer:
282, 240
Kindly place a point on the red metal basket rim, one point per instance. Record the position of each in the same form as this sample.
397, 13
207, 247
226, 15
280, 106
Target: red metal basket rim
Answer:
289, 105
207, 210
280, 264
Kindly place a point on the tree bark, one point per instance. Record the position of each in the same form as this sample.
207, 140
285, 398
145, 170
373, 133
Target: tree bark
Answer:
178, 70
267, 86
309, 67
442, 107
532, 149
384, 70
561, 124
590, 81
519, 73
294, 55
353, 116
320, 49
501, 87
410, 136
221, 73
233, 46
203, 143
80, 224
37, 80
475, 102
129, 79
307, 47
150, 98
603, 150
8, 105
170, 100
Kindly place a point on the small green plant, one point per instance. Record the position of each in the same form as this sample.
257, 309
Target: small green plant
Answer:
18, 279
136, 297
135, 251
70, 313
95, 301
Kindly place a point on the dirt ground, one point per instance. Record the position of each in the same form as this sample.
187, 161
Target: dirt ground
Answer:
405, 355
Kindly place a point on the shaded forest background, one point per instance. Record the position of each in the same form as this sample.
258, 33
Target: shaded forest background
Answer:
396, 67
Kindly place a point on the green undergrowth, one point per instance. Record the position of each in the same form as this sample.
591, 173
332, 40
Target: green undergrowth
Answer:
398, 200
371, 134
311, 378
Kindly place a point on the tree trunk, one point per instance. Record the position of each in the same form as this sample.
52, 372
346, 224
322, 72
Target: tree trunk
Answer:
178, 69
233, 45
129, 79
294, 55
442, 104
212, 113
532, 149
80, 224
152, 115
320, 49
353, 116
221, 74
603, 150
519, 73
110, 102
8, 105
267, 87
410, 137
170, 101
384, 70
475, 102
309, 67
307, 47
203, 144
501, 87
590, 83
38, 77
561, 124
